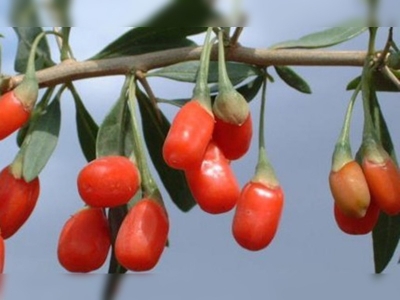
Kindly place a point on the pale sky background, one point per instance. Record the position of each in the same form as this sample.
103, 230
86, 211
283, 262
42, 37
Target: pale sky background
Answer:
310, 257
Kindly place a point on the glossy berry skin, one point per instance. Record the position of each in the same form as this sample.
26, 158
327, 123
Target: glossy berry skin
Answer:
108, 181
384, 184
18, 198
350, 190
188, 137
2, 256
357, 226
257, 216
84, 241
13, 114
234, 140
142, 236
213, 184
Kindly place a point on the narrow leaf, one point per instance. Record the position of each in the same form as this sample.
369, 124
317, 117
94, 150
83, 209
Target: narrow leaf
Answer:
326, 38
37, 112
248, 91
111, 137
187, 72
59, 11
26, 36
386, 233
25, 13
251, 89
155, 129
183, 12
292, 79
140, 40
42, 141
380, 83
86, 126
385, 240
175, 102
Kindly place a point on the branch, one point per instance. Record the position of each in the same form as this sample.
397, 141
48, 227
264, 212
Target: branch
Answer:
71, 70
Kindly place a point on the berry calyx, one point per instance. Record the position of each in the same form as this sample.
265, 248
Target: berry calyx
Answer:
229, 105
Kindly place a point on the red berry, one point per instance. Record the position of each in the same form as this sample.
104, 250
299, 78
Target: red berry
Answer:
350, 190
357, 226
13, 114
188, 137
142, 236
108, 181
84, 241
18, 198
234, 140
257, 215
213, 183
384, 184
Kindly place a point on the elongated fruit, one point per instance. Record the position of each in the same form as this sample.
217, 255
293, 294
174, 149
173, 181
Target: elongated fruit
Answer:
384, 184
13, 114
84, 241
108, 181
350, 190
213, 183
233, 140
18, 198
142, 236
257, 215
357, 226
188, 137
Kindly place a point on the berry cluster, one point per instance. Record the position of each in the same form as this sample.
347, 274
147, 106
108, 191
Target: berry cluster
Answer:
369, 184
203, 141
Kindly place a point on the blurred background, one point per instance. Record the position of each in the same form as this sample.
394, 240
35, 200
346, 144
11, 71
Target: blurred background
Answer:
310, 256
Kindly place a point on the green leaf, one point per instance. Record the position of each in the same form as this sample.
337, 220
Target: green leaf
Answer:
26, 36
42, 141
248, 91
385, 240
187, 72
86, 126
183, 12
386, 233
140, 40
113, 132
24, 13
353, 84
59, 11
380, 82
326, 38
291, 78
37, 112
393, 61
155, 129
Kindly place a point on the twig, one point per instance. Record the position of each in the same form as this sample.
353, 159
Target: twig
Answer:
73, 70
